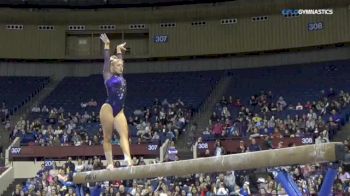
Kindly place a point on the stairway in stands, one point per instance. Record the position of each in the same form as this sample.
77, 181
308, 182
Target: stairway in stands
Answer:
185, 141
12, 187
25, 110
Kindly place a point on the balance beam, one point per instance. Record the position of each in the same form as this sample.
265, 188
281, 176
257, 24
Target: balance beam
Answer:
316, 153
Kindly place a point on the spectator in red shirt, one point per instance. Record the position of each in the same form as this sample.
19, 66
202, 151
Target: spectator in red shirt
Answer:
237, 103
217, 129
277, 134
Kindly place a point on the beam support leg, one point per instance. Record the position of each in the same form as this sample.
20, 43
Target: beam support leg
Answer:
328, 181
287, 182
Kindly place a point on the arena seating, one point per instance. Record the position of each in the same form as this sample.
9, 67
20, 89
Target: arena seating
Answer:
295, 83
16, 91
142, 89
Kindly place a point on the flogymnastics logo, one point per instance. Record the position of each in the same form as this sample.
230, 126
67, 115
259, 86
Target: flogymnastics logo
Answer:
287, 12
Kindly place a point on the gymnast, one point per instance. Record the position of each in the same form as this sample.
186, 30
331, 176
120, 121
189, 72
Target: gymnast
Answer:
112, 113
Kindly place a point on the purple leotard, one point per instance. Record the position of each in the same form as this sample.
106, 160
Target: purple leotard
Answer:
115, 86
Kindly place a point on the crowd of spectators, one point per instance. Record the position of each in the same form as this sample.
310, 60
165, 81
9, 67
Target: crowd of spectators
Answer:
55, 127
57, 180
263, 116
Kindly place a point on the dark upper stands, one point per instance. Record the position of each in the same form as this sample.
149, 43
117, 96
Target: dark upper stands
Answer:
16, 91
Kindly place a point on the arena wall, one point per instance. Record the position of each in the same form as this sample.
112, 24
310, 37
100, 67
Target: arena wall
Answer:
59, 70
6, 178
200, 33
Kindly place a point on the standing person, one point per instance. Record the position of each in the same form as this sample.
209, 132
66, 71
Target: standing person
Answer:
112, 114
172, 152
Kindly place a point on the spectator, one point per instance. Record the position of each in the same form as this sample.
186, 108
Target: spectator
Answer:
322, 138
343, 175
217, 129
299, 106
242, 147
80, 166
92, 103
245, 190
281, 104
223, 101
70, 164
44, 109
165, 102
254, 146
172, 152
214, 118
219, 149
36, 109
230, 181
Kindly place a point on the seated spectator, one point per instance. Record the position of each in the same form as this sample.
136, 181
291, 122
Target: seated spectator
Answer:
222, 190
281, 104
256, 119
85, 117
280, 145
245, 190
44, 109
217, 129
170, 135
83, 105
214, 117
155, 136
80, 166
76, 139
253, 101
237, 103
267, 143
336, 118
344, 176
254, 146
322, 138
65, 140
223, 101
146, 136
299, 106
62, 176
255, 133
206, 131
277, 134
242, 147
165, 102
92, 103
36, 109
225, 113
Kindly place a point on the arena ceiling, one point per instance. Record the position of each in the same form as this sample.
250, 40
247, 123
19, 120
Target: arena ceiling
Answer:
144, 11
98, 3
148, 3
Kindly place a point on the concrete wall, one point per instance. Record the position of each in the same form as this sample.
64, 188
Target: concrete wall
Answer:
59, 70
6, 179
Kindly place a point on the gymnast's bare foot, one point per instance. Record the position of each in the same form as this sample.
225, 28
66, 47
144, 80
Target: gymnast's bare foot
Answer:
110, 167
129, 162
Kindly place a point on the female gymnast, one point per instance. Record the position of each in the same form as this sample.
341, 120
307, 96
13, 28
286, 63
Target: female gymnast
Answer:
112, 113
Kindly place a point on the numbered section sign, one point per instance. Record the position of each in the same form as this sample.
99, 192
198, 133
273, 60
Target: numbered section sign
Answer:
315, 26
152, 147
160, 39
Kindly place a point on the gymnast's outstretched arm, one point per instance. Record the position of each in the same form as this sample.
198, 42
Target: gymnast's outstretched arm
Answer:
106, 55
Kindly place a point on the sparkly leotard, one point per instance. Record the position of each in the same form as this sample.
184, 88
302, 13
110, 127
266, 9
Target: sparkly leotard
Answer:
115, 86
